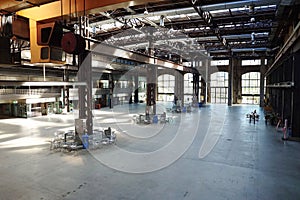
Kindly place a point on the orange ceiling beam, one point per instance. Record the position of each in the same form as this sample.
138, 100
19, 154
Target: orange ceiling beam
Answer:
81, 7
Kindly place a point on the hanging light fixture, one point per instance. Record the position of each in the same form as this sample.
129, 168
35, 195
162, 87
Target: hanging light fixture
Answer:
253, 38
162, 20
146, 11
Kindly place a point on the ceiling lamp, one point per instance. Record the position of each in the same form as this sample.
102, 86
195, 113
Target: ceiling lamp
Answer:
146, 11
251, 9
253, 38
162, 20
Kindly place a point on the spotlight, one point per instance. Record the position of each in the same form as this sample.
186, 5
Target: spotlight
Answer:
253, 36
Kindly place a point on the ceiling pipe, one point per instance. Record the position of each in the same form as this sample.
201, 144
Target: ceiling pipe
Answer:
262, 49
238, 4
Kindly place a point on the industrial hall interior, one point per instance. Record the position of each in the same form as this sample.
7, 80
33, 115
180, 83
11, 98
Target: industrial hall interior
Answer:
149, 99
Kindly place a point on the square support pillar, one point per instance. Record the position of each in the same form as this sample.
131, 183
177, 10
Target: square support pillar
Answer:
230, 81
136, 88
179, 88
151, 89
263, 70
85, 92
196, 87
236, 81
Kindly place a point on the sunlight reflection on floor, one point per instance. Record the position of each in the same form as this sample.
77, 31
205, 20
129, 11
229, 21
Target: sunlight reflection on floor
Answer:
24, 142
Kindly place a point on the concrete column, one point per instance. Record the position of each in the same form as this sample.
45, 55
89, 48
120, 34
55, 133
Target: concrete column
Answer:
263, 70
179, 87
111, 88
151, 88
237, 80
66, 91
85, 92
136, 88
151, 79
196, 87
230, 81
239, 87
130, 88
206, 64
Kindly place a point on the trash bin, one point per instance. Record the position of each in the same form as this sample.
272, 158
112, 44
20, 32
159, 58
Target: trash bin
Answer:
155, 119
200, 104
85, 141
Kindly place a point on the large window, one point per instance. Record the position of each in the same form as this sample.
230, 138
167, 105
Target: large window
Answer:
142, 82
219, 62
254, 62
251, 62
188, 88
219, 87
166, 87
251, 87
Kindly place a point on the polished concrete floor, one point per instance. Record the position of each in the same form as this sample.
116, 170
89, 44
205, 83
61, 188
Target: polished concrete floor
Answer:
211, 153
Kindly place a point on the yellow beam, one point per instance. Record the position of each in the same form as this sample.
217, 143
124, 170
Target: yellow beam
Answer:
53, 10
34, 48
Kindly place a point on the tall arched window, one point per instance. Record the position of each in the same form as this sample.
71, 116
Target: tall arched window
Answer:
219, 87
188, 87
251, 87
166, 87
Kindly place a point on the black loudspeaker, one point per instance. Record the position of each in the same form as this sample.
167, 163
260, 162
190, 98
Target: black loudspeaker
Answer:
49, 37
49, 34
52, 54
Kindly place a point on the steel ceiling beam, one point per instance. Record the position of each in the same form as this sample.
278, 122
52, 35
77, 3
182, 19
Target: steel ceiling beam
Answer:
208, 19
80, 8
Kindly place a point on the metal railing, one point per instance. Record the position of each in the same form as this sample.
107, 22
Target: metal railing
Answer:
29, 91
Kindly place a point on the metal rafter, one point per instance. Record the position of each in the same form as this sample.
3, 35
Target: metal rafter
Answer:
208, 19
